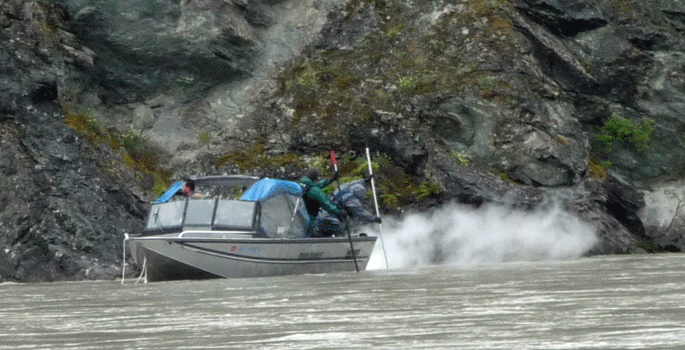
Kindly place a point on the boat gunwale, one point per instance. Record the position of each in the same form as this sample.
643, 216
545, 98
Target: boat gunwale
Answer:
270, 240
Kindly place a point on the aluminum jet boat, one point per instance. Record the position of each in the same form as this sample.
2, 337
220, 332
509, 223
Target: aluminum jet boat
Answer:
241, 227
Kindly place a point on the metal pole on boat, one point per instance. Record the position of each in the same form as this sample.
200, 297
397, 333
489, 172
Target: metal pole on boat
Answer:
375, 202
349, 235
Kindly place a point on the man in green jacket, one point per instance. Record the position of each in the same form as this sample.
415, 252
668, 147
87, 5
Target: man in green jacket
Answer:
314, 198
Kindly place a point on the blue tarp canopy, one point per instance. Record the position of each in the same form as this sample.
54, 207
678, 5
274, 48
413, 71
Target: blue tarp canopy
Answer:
169, 193
267, 188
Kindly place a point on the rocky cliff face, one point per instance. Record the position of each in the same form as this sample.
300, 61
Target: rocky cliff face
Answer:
519, 102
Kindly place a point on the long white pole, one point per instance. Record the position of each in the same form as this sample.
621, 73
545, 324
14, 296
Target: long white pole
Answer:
375, 202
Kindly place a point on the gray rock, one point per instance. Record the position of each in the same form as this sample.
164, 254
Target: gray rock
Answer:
566, 17
143, 117
496, 104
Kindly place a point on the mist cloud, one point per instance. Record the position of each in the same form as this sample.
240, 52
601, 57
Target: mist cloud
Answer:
460, 235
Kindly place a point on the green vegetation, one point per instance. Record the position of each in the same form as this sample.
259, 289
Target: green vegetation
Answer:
134, 142
363, 168
633, 136
395, 31
47, 18
408, 84
460, 157
504, 176
204, 139
426, 190
256, 157
487, 7
136, 151
597, 170
82, 120
308, 79
141, 154
322, 163
486, 81
335, 91
620, 129
631, 10
653, 248
562, 140
494, 11
389, 201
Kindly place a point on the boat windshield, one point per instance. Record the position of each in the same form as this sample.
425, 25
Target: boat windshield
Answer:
232, 186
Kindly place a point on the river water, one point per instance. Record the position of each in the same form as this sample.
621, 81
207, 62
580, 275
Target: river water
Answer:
614, 302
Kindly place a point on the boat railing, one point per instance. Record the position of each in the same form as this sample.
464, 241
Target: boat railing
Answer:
222, 234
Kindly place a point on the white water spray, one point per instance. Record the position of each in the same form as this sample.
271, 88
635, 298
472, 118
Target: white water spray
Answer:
460, 235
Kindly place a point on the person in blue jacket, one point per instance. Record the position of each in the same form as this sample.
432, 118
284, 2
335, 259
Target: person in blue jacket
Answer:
349, 198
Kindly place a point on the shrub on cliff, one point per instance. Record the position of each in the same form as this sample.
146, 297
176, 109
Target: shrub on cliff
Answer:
621, 129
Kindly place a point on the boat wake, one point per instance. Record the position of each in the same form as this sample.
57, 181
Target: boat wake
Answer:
460, 235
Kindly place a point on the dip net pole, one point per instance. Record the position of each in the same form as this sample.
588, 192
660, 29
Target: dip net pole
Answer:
334, 160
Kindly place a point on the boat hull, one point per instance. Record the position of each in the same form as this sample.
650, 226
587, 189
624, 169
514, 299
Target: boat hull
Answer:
174, 257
